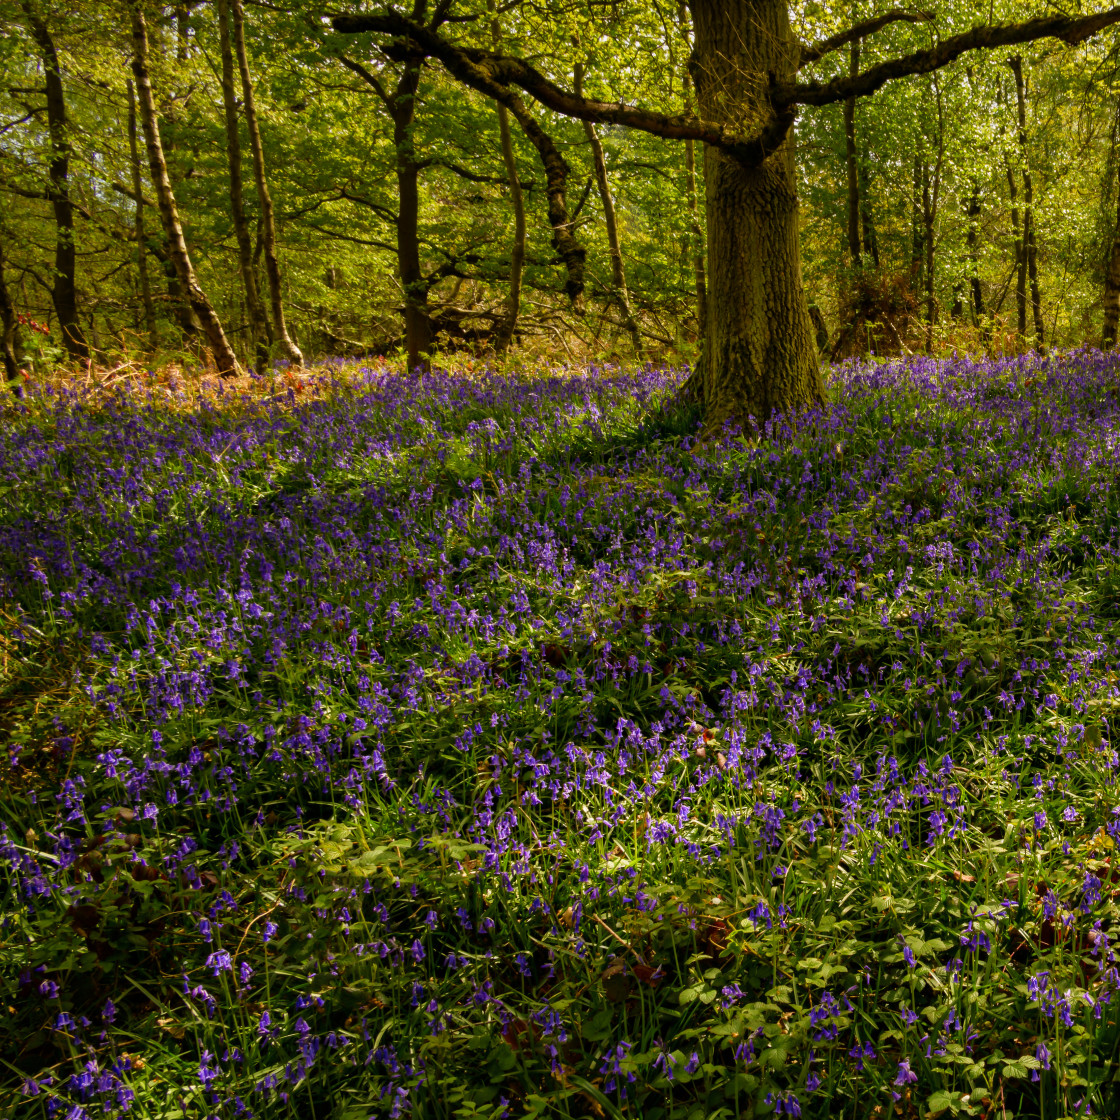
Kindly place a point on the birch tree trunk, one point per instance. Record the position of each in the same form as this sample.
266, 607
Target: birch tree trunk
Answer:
138, 225
169, 213
259, 332
282, 340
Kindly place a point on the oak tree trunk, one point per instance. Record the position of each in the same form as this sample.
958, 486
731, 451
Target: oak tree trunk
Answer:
760, 356
282, 341
169, 214
259, 332
138, 225
64, 291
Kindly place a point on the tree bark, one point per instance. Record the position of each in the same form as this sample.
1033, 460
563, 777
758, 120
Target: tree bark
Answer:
138, 225
867, 218
417, 318
169, 214
1112, 290
973, 211
259, 332
64, 291
1029, 266
929, 215
760, 356
556, 171
850, 164
400, 104
281, 339
614, 245
1112, 272
917, 234
931, 193
1019, 256
9, 328
698, 267
507, 325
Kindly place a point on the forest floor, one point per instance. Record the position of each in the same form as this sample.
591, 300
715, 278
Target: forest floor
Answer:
484, 745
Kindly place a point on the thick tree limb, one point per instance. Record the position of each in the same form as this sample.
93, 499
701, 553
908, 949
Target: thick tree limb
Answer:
814, 51
1071, 30
492, 73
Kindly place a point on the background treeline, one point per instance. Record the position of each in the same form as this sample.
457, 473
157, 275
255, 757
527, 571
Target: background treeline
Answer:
975, 207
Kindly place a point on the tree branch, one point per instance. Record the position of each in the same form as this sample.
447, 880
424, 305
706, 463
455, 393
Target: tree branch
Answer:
815, 51
492, 73
381, 211
369, 78
1071, 30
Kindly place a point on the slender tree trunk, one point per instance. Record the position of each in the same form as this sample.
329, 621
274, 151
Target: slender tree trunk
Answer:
9, 328
1112, 289
400, 104
141, 251
260, 335
1029, 266
64, 292
1032, 268
1020, 256
698, 269
417, 319
169, 214
850, 157
614, 245
189, 322
1112, 272
973, 212
760, 355
928, 217
507, 325
867, 218
917, 234
931, 193
282, 340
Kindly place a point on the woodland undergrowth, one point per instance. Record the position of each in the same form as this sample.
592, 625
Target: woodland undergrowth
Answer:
482, 744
